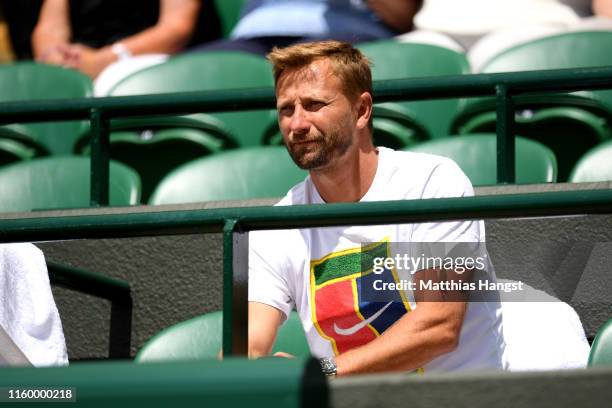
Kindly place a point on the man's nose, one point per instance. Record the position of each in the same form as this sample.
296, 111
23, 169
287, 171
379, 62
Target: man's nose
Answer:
299, 121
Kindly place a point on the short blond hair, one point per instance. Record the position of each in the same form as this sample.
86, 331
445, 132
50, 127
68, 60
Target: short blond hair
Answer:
347, 62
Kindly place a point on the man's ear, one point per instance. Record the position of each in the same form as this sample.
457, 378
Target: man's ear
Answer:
364, 109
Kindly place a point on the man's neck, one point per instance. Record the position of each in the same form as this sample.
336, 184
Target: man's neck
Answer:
350, 177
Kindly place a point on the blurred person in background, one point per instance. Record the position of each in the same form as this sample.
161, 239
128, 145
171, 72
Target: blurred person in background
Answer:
268, 23
483, 28
96, 36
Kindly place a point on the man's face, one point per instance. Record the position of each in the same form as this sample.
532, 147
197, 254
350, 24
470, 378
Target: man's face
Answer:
315, 117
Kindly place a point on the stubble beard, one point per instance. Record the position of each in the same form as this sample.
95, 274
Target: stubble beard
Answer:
321, 152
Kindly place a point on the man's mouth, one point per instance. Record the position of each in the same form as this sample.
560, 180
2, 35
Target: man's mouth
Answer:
305, 142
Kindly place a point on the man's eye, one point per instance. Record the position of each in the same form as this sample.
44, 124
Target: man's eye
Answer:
286, 110
314, 106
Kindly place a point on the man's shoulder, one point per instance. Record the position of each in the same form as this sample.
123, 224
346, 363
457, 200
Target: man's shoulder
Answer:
416, 162
424, 175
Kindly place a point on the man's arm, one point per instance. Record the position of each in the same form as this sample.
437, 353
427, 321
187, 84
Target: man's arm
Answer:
430, 330
52, 31
397, 14
264, 321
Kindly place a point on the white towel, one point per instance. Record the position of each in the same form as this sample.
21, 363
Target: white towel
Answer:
27, 310
542, 332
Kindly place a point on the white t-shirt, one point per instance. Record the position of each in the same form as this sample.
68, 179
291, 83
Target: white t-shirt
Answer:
315, 270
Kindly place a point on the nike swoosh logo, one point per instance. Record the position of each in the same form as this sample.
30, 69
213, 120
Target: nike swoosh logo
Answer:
354, 329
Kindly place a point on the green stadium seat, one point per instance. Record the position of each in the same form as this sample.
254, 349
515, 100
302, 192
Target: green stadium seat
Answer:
594, 165
12, 151
61, 182
161, 144
221, 70
201, 338
238, 174
476, 155
393, 60
569, 124
229, 13
601, 350
30, 81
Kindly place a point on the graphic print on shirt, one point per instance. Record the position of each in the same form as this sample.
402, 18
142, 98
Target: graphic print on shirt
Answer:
339, 313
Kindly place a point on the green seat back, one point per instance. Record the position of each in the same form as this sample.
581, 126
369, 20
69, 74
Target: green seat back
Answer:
476, 155
229, 13
202, 336
571, 50
220, 70
584, 119
12, 151
601, 350
239, 174
393, 60
154, 154
595, 165
61, 182
30, 81
568, 131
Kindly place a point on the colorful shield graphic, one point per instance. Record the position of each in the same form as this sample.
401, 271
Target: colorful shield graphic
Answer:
339, 313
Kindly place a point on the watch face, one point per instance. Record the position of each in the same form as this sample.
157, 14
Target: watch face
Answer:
328, 366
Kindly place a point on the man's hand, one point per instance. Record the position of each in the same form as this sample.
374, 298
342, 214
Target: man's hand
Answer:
89, 61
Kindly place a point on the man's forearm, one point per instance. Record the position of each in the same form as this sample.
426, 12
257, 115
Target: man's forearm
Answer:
429, 331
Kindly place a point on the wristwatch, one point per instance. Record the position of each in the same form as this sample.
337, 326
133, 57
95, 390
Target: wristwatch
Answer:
328, 366
121, 51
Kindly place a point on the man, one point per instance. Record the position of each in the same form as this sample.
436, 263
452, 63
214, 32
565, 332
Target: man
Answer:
324, 102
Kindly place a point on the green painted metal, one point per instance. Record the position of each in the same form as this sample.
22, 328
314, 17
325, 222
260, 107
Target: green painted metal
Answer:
137, 224
228, 278
505, 136
235, 289
94, 284
263, 98
230, 383
115, 290
100, 158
